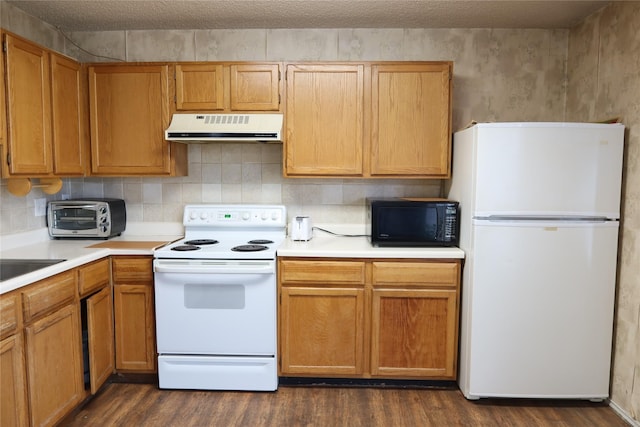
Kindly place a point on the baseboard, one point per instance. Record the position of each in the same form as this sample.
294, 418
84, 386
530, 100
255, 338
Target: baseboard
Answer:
624, 414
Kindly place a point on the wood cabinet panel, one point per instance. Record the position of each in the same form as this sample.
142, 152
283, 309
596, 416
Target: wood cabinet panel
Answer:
324, 120
9, 314
94, 276
100, 335
414, 333
322, 331
411, 112
130, 107
14, 408
132, 269
199, 87
255, 87
404, 274
48, 294
55, 383
135, 328
319, 271
28, 108
3, 111
68, 115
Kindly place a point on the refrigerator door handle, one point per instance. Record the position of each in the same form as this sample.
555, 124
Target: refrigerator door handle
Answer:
568, 218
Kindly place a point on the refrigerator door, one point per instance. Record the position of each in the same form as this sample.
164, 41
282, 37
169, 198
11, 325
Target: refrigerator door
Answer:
537, 310
548, 169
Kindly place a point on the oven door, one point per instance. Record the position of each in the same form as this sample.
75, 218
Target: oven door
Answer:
210, 307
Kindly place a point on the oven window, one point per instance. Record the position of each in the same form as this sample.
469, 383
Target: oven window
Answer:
203, 296
75, 219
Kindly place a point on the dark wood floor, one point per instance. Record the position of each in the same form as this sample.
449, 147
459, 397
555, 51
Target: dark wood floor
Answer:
121, 404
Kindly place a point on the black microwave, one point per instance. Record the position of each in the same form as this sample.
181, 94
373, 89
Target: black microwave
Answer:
412, 222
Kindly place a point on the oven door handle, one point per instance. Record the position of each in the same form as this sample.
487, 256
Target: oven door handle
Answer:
213, 267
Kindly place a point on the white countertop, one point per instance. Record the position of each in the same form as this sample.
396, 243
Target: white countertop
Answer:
37, 245
328, 245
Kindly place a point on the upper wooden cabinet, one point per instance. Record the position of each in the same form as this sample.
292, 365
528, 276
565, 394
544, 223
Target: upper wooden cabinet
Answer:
324, 120
130, 108
46, 111
69, 116
29, 148
3, 107
230, 87
410, 120
368, 120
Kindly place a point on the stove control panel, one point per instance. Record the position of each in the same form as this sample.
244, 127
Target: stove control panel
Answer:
235, 215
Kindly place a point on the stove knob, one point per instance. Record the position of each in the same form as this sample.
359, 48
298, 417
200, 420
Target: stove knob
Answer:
275, 215
264, 216
203, 215
246, 216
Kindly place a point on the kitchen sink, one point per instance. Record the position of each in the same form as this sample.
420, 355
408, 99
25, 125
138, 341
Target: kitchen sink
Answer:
10, 268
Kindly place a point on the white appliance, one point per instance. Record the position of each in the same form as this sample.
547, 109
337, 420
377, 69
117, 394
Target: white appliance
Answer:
539, 206
301, 228
203, 128
215, 298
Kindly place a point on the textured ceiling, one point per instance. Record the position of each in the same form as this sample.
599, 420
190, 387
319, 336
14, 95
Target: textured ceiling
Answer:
97, 15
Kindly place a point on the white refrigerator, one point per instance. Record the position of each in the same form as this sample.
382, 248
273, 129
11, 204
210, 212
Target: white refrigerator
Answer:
539, 206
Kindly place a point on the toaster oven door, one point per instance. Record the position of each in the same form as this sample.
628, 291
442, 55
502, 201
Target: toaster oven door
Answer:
73, 220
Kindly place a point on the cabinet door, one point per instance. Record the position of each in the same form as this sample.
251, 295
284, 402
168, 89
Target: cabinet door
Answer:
13, 410
100, 330
321, 331
3, 113
199, 87
414, 333
129, 108
28, 108
70, 141
255, 87
54, 377
410, 120
324, 120
135, 328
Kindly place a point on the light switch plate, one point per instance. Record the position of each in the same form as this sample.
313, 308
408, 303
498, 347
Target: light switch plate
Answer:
40, 207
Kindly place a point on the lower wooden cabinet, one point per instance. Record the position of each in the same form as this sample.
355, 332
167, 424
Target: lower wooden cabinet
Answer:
369, 318
322, 331
54, 365
14, 409
100, 338
134, 314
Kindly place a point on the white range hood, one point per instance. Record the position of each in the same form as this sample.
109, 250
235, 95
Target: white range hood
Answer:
203, 128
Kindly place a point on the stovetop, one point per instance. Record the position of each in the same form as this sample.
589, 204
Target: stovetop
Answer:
229, 232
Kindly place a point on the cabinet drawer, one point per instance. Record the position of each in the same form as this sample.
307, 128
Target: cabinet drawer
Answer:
132, 269
93, 276
409, 273
322, 271
9, 304
48, 294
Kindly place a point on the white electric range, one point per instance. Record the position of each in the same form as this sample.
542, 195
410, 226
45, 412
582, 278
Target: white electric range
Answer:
215, 297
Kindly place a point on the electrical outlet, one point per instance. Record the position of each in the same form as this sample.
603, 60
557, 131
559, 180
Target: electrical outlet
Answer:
40, 207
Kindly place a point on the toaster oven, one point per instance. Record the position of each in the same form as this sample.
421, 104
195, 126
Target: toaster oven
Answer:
87, 218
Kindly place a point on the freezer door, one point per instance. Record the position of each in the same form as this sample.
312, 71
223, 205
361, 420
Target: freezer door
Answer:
561, 169
538, 303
